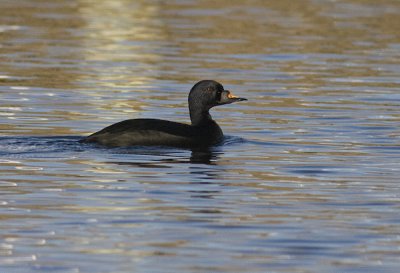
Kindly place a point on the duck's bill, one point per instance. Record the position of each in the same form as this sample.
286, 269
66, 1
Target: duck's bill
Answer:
239, 99
234, 98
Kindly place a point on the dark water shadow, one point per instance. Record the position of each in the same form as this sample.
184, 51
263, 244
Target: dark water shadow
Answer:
163, 157
140, 156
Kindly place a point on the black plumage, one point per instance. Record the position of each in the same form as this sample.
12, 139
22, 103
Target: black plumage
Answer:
203, 131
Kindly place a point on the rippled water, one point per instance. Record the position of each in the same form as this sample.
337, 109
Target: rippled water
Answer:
307, 179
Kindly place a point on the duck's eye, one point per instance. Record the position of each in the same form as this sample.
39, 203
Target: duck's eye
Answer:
218, 96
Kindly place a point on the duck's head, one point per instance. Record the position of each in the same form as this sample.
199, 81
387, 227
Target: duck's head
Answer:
208, 93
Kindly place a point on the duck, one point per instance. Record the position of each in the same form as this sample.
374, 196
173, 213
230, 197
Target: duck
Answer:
202, 132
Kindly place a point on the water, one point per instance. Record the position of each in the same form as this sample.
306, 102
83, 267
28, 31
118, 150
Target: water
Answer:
305, 181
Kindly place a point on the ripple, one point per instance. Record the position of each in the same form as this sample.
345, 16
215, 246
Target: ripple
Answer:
37, 145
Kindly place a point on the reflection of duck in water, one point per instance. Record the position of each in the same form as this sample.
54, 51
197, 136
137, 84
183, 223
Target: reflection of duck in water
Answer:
203, 131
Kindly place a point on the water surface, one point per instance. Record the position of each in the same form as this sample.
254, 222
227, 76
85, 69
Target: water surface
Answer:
305, 181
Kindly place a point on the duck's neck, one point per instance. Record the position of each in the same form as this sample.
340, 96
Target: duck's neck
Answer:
199, 117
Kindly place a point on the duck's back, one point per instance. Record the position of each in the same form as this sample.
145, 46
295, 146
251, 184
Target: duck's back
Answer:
156, 132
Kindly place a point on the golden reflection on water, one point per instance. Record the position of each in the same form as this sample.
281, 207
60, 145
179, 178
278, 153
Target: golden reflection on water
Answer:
117, 36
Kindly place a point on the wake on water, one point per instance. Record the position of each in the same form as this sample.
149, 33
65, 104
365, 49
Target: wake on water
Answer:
53, 146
